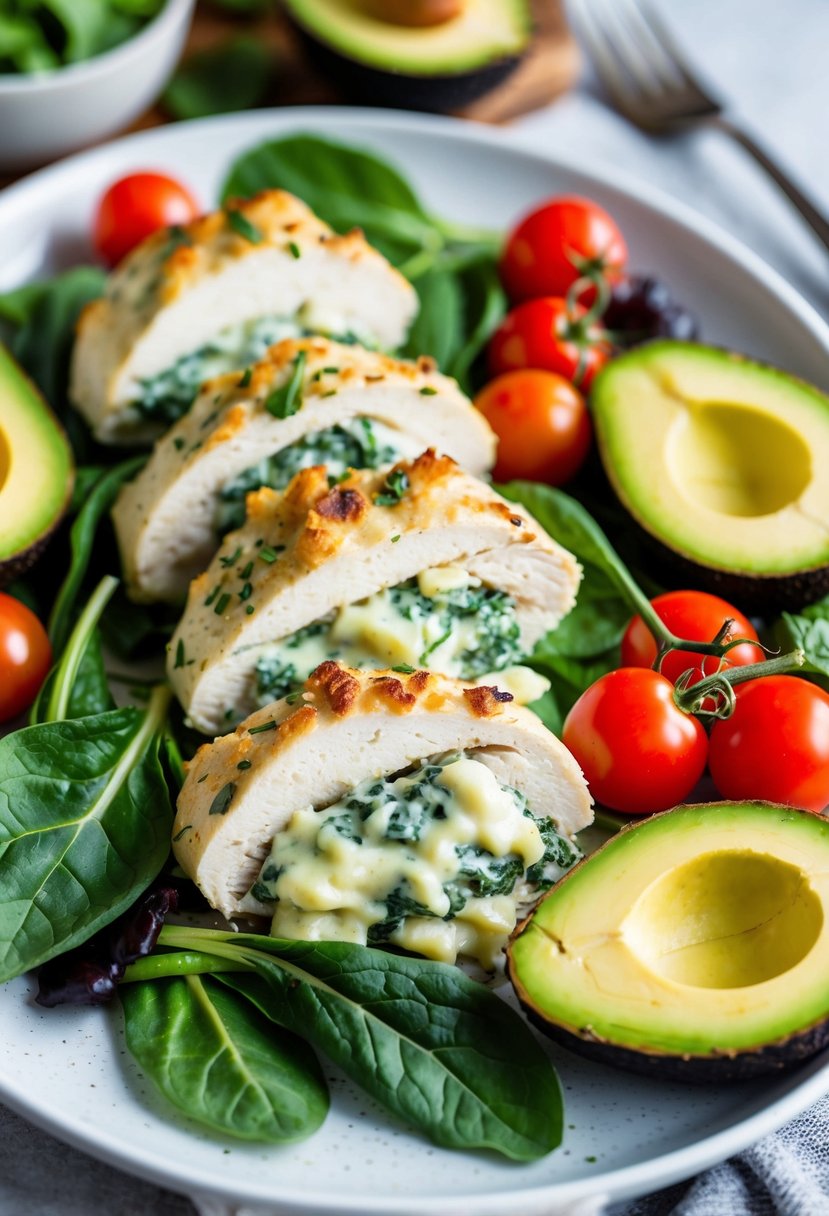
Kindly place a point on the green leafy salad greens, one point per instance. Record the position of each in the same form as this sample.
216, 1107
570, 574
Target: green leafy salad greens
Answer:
40, 35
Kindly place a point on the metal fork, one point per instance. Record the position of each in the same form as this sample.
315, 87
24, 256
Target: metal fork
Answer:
650, 83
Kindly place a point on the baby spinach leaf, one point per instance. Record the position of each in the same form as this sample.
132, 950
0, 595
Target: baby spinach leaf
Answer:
85, 822
229, 77
484, 306
45, 315
436, 1048
217, 1059
438, 327
81, 541
809, 632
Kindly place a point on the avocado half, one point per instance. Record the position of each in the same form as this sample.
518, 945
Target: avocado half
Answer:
692, 946
721, 461
436, 67
36, 471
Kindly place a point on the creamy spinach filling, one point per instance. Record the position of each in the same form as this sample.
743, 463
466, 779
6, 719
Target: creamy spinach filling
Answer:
443, 620
436, 861
359, 443
168, 395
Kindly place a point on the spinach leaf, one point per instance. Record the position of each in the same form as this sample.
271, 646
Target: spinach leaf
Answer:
78, 684
43, 318
438, 327
585, 645
808, 631
85, 822
81, 541
436, 1048
484, 306
216, 1058
229, 77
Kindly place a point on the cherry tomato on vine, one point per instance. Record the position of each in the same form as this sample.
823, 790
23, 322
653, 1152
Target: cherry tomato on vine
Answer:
552, 335
695, 616
25, 657
556, 244
136, 206
542, 425
637, 749
775, 745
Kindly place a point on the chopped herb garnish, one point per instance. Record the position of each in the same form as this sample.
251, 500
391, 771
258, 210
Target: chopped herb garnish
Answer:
243, 764
258, 730
428, 391
293, 697
295, 249
178, 442
395, 539
234, 557
250, 610
246, 592
424, 658
220, 804
247, 376
228, 715
267, 554
202, 778
331, 371
242, 226
405, 669
221, 604
180, 660
188, 827
394, 487
246, 571
211, 597
284, 401
332, 392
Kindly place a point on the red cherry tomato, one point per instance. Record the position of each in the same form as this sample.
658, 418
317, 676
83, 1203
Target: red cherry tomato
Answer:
136, 206
775, 746
697, 617
639, 752
25, 657
547, 334
556, 244
542, 425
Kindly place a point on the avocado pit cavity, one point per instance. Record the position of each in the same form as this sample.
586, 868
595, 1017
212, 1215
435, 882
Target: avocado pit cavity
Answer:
725, 920
719, 456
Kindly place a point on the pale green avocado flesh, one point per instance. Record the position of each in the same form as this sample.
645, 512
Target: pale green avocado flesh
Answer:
485, 32
36, 469
701, 932
721, 459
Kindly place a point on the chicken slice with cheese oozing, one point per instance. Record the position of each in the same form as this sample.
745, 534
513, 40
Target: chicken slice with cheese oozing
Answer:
309, 401
420, 566
383, 807
196, 301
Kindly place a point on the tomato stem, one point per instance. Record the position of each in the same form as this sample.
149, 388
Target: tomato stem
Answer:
690, 698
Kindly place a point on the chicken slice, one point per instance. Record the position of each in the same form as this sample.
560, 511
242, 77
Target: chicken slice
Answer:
311, 549
191, 301
166, 519
347, 727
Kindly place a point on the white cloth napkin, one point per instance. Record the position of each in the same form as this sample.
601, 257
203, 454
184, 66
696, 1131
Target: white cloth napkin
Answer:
769, 59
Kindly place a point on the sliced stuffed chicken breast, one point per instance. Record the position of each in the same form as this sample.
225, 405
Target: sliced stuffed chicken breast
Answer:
383, 807
309, 401
196, 301
419, 566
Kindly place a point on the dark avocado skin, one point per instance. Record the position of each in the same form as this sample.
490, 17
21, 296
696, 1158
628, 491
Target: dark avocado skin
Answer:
696, 1070
18, 564
376, 87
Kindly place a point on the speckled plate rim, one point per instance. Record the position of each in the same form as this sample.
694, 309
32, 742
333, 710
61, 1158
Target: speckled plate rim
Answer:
808, 1083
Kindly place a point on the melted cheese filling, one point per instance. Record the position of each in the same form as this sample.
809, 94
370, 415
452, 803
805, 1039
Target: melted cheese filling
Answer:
436, 862
358, 443
443, 620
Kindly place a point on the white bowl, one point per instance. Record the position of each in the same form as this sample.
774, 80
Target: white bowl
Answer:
46, 115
